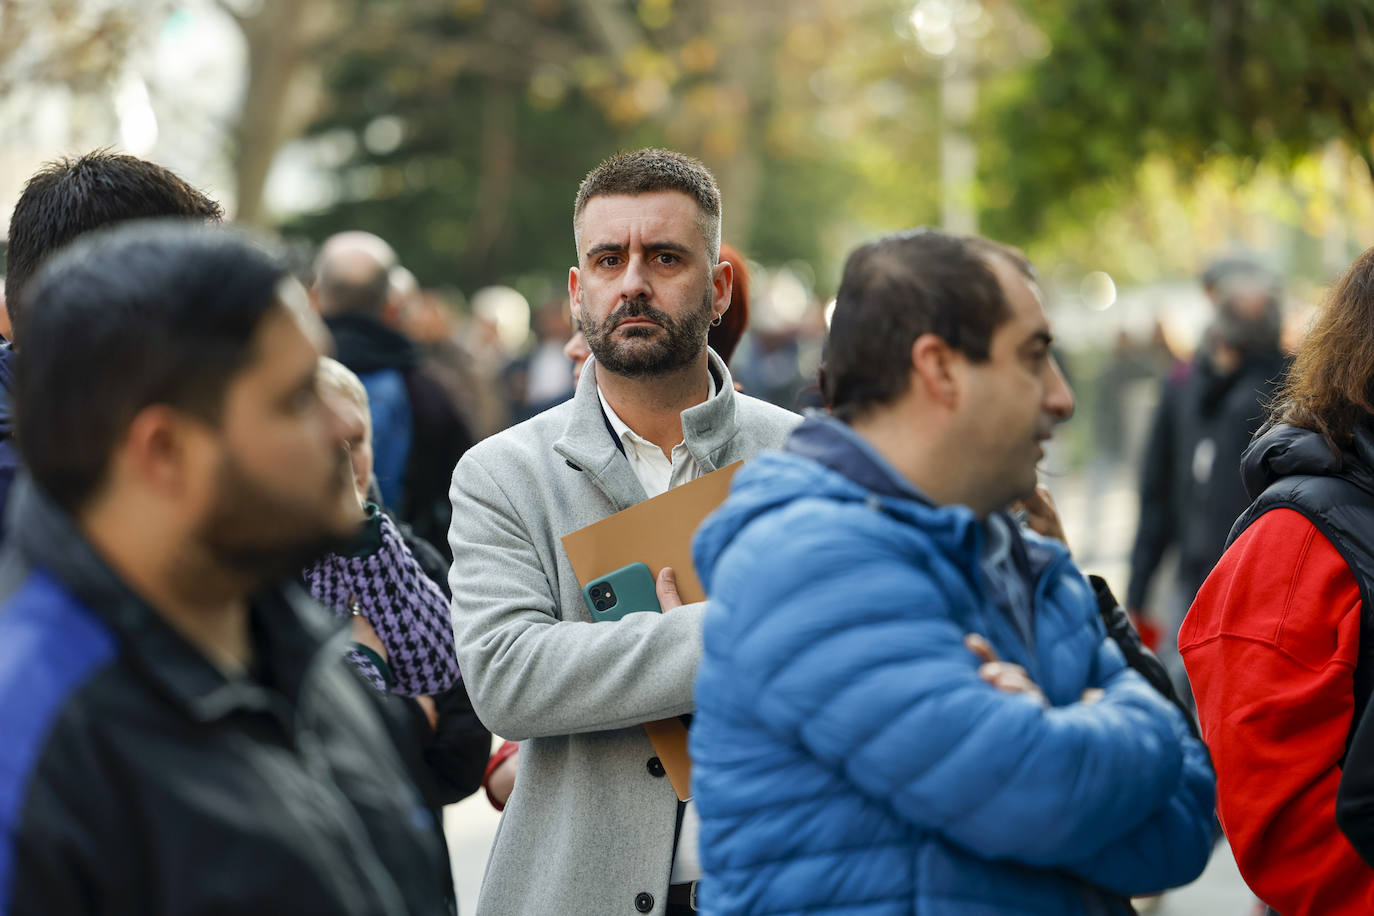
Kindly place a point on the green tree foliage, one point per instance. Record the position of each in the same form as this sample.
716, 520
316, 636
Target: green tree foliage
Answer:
1188, 81
460, 128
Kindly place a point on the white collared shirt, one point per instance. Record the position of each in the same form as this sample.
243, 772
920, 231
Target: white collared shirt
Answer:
658, 474
656, 471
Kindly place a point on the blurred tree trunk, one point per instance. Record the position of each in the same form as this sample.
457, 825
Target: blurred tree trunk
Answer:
282, 93
747, 66
611, 24
497, 175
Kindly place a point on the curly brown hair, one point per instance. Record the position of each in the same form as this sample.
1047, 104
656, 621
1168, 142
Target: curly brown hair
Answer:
1330, 388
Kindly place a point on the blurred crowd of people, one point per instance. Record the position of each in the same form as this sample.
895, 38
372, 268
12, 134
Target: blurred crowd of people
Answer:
282, 552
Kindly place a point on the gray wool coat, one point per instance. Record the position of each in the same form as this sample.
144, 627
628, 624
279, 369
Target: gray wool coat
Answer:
589, 828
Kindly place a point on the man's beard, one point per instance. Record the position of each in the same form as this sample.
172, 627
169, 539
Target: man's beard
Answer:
260, 536
681, 342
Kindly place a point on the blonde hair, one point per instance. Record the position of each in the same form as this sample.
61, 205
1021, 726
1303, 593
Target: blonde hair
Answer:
340, 378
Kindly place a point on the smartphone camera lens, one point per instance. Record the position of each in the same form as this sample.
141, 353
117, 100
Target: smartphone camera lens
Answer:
602, 604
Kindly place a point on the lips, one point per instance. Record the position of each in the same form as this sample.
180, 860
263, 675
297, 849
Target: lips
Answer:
638, 321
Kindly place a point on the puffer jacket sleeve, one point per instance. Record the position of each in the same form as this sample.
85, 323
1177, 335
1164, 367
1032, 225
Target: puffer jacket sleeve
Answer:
847, 645
1172, 846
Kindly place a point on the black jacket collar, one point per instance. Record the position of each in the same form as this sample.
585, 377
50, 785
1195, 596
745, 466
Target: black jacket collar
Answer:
289, 631
364, 344
1285, 451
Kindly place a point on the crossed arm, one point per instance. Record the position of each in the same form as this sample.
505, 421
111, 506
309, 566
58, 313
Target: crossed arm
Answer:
884, 689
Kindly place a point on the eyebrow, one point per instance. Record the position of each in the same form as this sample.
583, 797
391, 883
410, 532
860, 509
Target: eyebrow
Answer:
614, 247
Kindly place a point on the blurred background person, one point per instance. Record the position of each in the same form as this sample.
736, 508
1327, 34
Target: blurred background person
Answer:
418, 434
1191, 490
446, 354
539, 378
391, 587
400, 615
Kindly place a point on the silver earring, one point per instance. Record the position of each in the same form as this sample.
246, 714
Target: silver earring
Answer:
715, 322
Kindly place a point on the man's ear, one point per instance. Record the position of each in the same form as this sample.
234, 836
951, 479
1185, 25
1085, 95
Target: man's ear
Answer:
723, 284
157, 448
935, 369
574, 294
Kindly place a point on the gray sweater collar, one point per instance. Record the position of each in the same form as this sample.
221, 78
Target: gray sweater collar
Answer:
588, 444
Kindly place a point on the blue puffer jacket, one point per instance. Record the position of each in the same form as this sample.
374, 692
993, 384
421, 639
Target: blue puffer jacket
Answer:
848, 759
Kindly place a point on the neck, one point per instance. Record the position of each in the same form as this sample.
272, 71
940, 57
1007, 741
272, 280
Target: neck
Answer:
196, 597
934, 471
652, 406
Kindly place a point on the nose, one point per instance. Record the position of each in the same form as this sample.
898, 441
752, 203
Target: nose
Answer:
1058, 395
634, 281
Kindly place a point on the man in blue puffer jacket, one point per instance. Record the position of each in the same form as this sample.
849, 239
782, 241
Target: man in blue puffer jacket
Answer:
852, 752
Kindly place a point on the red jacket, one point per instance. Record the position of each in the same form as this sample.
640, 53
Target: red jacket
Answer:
1270, 645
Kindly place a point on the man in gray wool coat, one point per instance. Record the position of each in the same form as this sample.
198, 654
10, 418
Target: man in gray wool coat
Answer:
593, 826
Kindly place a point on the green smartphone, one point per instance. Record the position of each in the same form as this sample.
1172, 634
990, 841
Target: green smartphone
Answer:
628, 590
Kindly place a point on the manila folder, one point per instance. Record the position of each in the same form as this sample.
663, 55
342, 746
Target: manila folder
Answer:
658, 533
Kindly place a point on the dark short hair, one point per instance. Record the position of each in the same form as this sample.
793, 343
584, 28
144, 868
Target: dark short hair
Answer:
142, 314
70, 197
899, 287
646, 171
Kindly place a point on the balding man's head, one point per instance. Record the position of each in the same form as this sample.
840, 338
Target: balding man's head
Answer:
352, 274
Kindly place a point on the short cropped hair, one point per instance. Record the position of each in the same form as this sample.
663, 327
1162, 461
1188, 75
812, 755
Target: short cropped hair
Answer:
70, 197
353, 274
646, 171
899, 287
142, 314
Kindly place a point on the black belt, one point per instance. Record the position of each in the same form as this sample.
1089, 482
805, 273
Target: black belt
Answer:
683, 896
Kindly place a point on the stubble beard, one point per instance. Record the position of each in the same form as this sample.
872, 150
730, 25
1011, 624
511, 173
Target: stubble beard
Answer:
679, 344
261, 537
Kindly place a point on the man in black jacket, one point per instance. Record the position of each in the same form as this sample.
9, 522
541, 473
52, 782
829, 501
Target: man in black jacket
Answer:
1191, 490
180, 735
418, 435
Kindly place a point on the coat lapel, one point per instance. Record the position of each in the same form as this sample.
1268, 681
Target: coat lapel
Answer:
589, 445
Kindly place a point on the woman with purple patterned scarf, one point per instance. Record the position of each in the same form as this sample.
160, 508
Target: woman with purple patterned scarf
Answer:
403, 637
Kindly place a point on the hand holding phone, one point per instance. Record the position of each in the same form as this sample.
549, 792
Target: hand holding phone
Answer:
628, 590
